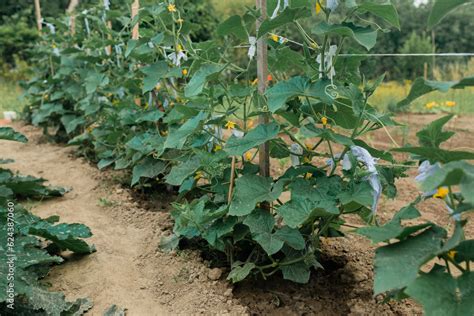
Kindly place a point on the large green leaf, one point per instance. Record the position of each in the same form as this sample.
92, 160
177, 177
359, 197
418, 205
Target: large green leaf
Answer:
199, 79
436, 154
452, 174
397, 264
289, 15
441, 8
252, 189
283, 91
433, 134
365, 36
233, 25
296, 272
148, 168
153, 74
177, 138
238, 146
180, 172
296, 212
386, 11
421, 87
442, 294
8, 133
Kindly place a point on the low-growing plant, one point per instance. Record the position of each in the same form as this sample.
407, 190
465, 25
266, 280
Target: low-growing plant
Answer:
30, 246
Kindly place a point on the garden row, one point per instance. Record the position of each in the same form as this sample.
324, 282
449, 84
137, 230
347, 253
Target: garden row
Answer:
183, 113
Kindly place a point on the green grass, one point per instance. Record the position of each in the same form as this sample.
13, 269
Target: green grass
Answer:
10, 97
389, 94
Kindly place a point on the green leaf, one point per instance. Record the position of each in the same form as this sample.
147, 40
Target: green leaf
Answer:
177, 138
240, 272
296, 272
257, 136
465, 251
65, 236
442, 294
421, 87
441, 8
260, 221
269, 242
365, 36
153, 74
148, 168
397, 264
386, 11
283, 91
289, 15
182, 171
199, 79
436, 154
433, 134
295, 212
452, 174
291, 236
72, 122
234, 26
114, 310
252, 189
8, 133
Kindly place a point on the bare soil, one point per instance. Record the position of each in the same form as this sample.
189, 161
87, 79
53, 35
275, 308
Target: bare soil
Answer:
130, 271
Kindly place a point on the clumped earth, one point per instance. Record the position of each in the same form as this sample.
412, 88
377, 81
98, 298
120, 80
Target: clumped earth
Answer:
130, 271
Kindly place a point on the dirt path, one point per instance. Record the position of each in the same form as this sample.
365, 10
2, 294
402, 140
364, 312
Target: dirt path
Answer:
127, 269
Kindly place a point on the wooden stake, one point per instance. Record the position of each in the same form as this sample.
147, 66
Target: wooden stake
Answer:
39, 19
70, 11
136, 32
262, 74
135, 8
232, 178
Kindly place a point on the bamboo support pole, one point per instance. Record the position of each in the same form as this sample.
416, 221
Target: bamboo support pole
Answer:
262, 74
39, 19
136, 32
135, 9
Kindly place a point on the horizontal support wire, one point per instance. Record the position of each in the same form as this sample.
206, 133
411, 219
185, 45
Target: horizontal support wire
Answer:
376, 55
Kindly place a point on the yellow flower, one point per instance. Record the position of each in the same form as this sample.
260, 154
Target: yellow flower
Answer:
180, 21
230, 125
308, 145
450, 103
318, 8
306, 160
53, 46
199, 175
171, 8
248, 156
275, 37
431, 105
441, 193
451, 254
45, 97
324, 120
217, 147
308, 175
184, 72
164, 133
179, 48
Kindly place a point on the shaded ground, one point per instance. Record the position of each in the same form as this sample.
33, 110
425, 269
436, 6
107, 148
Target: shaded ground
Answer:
129, 270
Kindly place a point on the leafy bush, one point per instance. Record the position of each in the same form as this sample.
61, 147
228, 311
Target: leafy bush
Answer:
179, 112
